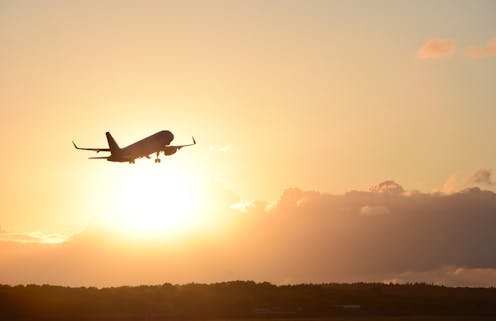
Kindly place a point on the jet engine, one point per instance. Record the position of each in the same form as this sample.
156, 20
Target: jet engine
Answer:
170, 150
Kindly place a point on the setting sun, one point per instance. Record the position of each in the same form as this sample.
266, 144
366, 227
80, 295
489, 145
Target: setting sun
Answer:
155, 201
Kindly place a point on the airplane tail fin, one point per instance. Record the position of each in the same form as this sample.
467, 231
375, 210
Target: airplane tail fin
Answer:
112, 143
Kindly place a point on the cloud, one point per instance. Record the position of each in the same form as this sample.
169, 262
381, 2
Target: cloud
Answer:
254, 205
33, 237
417, 232
488, 50
450, 186
436, 48
243, 206
482, 176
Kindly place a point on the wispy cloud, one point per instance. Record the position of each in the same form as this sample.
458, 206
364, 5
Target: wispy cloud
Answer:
33, 237
488, 50
450, 186
242, 206
482, 176
437, 48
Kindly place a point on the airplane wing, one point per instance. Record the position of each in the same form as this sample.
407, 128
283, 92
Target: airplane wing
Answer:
178, 147
171, 149
92, 149
103, 157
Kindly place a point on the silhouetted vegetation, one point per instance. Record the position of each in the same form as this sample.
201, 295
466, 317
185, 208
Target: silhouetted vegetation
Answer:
242, 299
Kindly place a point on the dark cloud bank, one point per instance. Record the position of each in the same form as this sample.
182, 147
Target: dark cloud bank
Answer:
364, 235
384, 234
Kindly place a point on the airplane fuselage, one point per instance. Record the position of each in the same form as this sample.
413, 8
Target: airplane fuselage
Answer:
142, 148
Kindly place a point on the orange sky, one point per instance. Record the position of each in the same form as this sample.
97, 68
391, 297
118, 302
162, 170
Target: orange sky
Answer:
324, 95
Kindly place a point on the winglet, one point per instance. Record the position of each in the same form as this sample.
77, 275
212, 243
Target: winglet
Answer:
73, 143
194, 141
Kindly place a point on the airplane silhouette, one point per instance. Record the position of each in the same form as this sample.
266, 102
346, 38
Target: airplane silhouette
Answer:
156, 143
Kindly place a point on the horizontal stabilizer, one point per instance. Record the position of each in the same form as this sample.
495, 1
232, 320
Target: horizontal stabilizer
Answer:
101, 157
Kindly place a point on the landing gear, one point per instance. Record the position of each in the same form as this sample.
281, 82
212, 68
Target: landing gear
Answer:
157, 160
131, 161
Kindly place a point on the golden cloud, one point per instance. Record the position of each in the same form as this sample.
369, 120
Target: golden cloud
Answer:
437, 48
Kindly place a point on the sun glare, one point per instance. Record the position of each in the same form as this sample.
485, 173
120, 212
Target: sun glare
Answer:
156, 201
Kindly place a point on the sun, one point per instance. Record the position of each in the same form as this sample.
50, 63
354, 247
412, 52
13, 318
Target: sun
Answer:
153, 200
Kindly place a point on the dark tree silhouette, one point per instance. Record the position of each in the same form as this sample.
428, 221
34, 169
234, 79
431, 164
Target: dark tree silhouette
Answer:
242, 299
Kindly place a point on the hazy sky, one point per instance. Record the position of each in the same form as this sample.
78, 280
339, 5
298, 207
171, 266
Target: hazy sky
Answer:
330, 96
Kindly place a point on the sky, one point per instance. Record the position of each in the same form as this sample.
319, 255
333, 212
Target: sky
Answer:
323, 98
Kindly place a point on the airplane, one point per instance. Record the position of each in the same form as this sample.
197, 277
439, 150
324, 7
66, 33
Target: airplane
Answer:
154, 144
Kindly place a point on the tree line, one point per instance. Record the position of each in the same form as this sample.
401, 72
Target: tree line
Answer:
241, 299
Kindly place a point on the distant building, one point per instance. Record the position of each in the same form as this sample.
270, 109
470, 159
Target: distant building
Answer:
266, 311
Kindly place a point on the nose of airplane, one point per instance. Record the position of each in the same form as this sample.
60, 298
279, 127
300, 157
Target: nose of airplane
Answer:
170, 136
